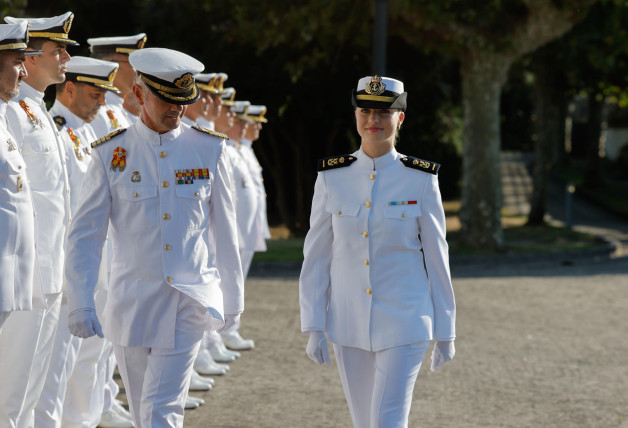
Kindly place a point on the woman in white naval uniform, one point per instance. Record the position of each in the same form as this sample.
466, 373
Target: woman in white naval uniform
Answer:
375, 280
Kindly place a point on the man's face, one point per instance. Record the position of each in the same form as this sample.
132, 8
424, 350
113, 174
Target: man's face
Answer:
197, 109
158, 115
49, 67
86, 100
238, 130
11, 73
252, 131
215, 107
225, 120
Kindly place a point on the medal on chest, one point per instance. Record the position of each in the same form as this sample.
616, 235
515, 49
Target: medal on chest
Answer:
112, 118
20, 184
76, 143
35, 121
135, 177
11, 145
187, 176
119, 159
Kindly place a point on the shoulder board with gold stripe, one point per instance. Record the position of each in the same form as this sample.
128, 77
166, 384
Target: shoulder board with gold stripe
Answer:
420, 164
108, 137
59, 121
210, 132
335, 162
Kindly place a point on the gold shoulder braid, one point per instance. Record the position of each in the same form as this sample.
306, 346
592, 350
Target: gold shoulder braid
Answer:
108, 137
420, 164
335, 162
59, 121
210, 132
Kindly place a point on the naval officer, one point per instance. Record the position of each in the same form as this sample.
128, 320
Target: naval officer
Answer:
375, 280
32, 333
18, 263
162, 189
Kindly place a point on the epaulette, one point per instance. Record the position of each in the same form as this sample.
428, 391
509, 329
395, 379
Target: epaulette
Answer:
420, 164
210, 132
335, 162
59, 121
108, 137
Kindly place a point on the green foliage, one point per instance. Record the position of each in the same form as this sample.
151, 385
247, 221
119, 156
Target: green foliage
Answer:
12, 7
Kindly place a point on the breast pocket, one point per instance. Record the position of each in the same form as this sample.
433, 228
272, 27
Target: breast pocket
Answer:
137, 204
344, 217
42, 155
402, 212
193, 202
13, 176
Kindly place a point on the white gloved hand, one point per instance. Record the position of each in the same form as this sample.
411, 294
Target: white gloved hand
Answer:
444, 350
230, 321
84, 323
317, 348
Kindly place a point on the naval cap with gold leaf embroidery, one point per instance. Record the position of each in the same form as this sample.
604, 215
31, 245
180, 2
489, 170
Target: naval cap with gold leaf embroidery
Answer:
55, 28
168, 74
123, 45
256, 113
228, 96
379, 92
14, 38
240, 108
92, 71
206, 81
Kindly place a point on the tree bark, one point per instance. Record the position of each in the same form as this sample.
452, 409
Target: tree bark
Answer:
593, 172
483, 75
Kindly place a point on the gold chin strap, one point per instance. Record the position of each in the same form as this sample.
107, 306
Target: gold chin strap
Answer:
125, 50
13, 46
47, 35
375, 98
175, 98
93, 80
162, 87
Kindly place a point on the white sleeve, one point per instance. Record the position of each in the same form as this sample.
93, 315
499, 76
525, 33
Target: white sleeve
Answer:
432, 229
224, 229
86, 236
315, 276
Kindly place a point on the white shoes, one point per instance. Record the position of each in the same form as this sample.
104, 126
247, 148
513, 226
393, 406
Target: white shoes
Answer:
236, 342
116, 417
199, 383
205, 364
193, 402
221, 354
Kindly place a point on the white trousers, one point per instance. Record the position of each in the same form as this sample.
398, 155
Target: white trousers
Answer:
49, 408
378, 385
246, 257
26, 345
4, 315
156, 380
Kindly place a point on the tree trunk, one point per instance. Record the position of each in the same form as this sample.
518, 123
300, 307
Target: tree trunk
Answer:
547, 102
483, 75
593, 172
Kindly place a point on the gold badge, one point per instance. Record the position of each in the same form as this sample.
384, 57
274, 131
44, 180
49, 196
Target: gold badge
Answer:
136, 178
375, 86
67, 24
20, 185
184, 81
140, 44
11, 145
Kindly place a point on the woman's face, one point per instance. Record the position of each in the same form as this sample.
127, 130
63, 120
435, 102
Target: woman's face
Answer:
378, 126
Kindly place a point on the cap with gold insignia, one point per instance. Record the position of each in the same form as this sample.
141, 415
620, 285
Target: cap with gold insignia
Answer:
240, 108
379, 92
219, 82
14, 38
205, 81
228, 96
92, 71
123, 45
256, 113
55, 28
168, 74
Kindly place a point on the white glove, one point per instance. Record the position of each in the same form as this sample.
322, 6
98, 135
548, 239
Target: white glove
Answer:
84, 323
317, 348
230, 321
444, 350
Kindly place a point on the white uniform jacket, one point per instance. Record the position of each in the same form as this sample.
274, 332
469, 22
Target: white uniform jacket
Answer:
363, 280
19, 281
246, 150
77, 136
44, 153
246, 196
111, 117
166, 196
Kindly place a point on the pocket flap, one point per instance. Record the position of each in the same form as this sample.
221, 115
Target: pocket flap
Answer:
402, 211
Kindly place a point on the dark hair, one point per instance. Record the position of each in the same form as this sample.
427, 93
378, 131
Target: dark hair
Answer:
36, 43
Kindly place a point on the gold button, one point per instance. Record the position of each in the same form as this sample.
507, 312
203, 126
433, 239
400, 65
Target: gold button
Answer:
366, 262
167, 247
369, 291
164, 184
169, 279
403, 215
166, 217
162, 154
195, 193
135, 195
368, 204
372, 176
19, 167
339, 212
262, 180
365, 234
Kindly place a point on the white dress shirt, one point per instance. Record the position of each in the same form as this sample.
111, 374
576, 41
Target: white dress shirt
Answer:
165, 236
246, 150
363, 279
18, 261
44, 153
